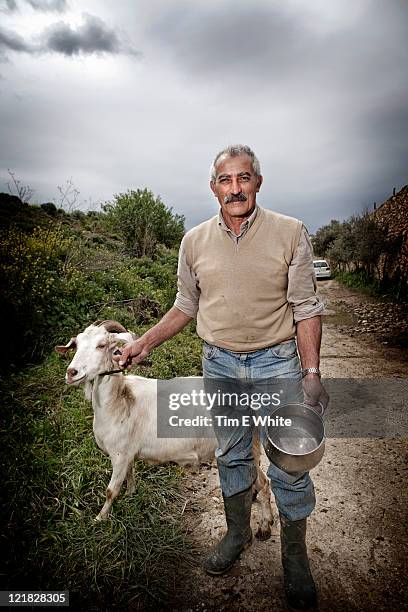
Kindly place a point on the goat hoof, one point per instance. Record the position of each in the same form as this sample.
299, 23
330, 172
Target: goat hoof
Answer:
99, 518
263, 533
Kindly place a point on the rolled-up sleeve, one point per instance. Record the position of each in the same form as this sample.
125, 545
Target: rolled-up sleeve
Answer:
302, 286
188, 292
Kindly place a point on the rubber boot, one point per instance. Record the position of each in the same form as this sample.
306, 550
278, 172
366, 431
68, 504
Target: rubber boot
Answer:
300, 588
239, 534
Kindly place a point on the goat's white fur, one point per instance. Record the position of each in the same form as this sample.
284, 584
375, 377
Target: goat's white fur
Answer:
125, 420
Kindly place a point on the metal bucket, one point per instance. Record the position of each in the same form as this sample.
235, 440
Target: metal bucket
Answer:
299, 447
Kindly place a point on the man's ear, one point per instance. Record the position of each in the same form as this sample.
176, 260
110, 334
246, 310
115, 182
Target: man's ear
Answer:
259, 183
212, 187
64, 349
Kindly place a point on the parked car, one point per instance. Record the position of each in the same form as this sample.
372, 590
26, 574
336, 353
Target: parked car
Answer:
321, 268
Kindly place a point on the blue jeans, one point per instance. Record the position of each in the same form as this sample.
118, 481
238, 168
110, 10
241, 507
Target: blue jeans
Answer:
294, 494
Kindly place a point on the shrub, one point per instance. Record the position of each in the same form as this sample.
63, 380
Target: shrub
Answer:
54, 280
144, 221
359, 280
49, 208
43, 292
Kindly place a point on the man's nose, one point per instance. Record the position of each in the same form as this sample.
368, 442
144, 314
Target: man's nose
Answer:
235, 187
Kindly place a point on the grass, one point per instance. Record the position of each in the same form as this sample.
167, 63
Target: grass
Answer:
360, 281
54, 479
394, 290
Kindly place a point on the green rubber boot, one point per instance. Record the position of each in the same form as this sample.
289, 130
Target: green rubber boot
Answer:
300, 588
239, 534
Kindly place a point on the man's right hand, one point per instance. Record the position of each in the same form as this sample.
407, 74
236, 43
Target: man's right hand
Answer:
134, 352
131, 354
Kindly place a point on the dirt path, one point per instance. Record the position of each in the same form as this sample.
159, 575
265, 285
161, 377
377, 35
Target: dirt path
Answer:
357, 535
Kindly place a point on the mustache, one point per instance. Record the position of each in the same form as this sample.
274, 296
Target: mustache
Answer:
240, 197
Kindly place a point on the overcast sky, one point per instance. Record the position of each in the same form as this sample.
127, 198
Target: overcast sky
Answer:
121, 95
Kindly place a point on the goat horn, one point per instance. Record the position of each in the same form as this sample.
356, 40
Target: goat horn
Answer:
111, 326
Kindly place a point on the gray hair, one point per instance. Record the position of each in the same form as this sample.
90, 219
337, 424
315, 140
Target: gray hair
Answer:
235, 151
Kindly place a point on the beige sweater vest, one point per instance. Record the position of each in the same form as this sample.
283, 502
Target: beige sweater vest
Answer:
243, 305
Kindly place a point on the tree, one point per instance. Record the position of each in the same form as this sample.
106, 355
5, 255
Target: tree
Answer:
325, 236
144, 221
370, 242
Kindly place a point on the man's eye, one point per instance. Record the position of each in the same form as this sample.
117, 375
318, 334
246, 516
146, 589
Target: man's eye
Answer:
224, 180
244, 178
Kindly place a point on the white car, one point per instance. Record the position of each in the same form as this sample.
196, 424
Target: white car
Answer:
321, 268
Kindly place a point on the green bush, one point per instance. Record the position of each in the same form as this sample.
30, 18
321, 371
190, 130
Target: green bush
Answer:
70, 269
52, 287
49, 208
144, 221
44, 292
359, 280
31, 275
365, 254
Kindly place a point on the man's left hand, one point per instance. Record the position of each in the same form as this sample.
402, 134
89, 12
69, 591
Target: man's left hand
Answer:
315, 394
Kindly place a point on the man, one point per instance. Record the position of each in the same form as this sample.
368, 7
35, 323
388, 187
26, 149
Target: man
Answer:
247, 275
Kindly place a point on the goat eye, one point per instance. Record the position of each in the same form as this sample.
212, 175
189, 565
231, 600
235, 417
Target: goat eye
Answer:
101, 346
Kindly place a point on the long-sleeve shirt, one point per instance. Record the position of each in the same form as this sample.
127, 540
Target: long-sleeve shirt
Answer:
301, 292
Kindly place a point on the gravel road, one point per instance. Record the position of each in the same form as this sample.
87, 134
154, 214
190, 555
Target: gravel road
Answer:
357, 535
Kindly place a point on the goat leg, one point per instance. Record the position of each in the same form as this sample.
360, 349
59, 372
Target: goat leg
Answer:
264, 498
130, 479
261, 489
120, 465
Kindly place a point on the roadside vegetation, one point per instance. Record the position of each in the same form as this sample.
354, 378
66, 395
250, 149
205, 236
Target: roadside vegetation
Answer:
366, 254
61, 271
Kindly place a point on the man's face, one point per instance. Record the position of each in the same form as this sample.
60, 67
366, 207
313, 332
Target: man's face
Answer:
236, 185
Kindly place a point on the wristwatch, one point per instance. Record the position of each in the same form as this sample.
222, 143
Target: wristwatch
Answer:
307, 371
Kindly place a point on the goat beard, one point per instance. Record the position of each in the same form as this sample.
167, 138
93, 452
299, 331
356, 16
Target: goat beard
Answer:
88, 387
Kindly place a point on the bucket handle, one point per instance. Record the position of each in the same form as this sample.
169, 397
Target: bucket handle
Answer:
322, 408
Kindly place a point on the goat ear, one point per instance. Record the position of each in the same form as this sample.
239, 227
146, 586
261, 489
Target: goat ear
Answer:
116, 343
122, 338
63, 349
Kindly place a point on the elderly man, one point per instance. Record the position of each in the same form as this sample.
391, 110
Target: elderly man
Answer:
247, 275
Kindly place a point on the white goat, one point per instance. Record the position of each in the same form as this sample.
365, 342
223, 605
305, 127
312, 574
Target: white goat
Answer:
125, 417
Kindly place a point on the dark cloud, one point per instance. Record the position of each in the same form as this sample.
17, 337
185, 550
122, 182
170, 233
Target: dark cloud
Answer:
11, 41
232, 42
92, 37
221, 40
58, 6
8, 6
384, 131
